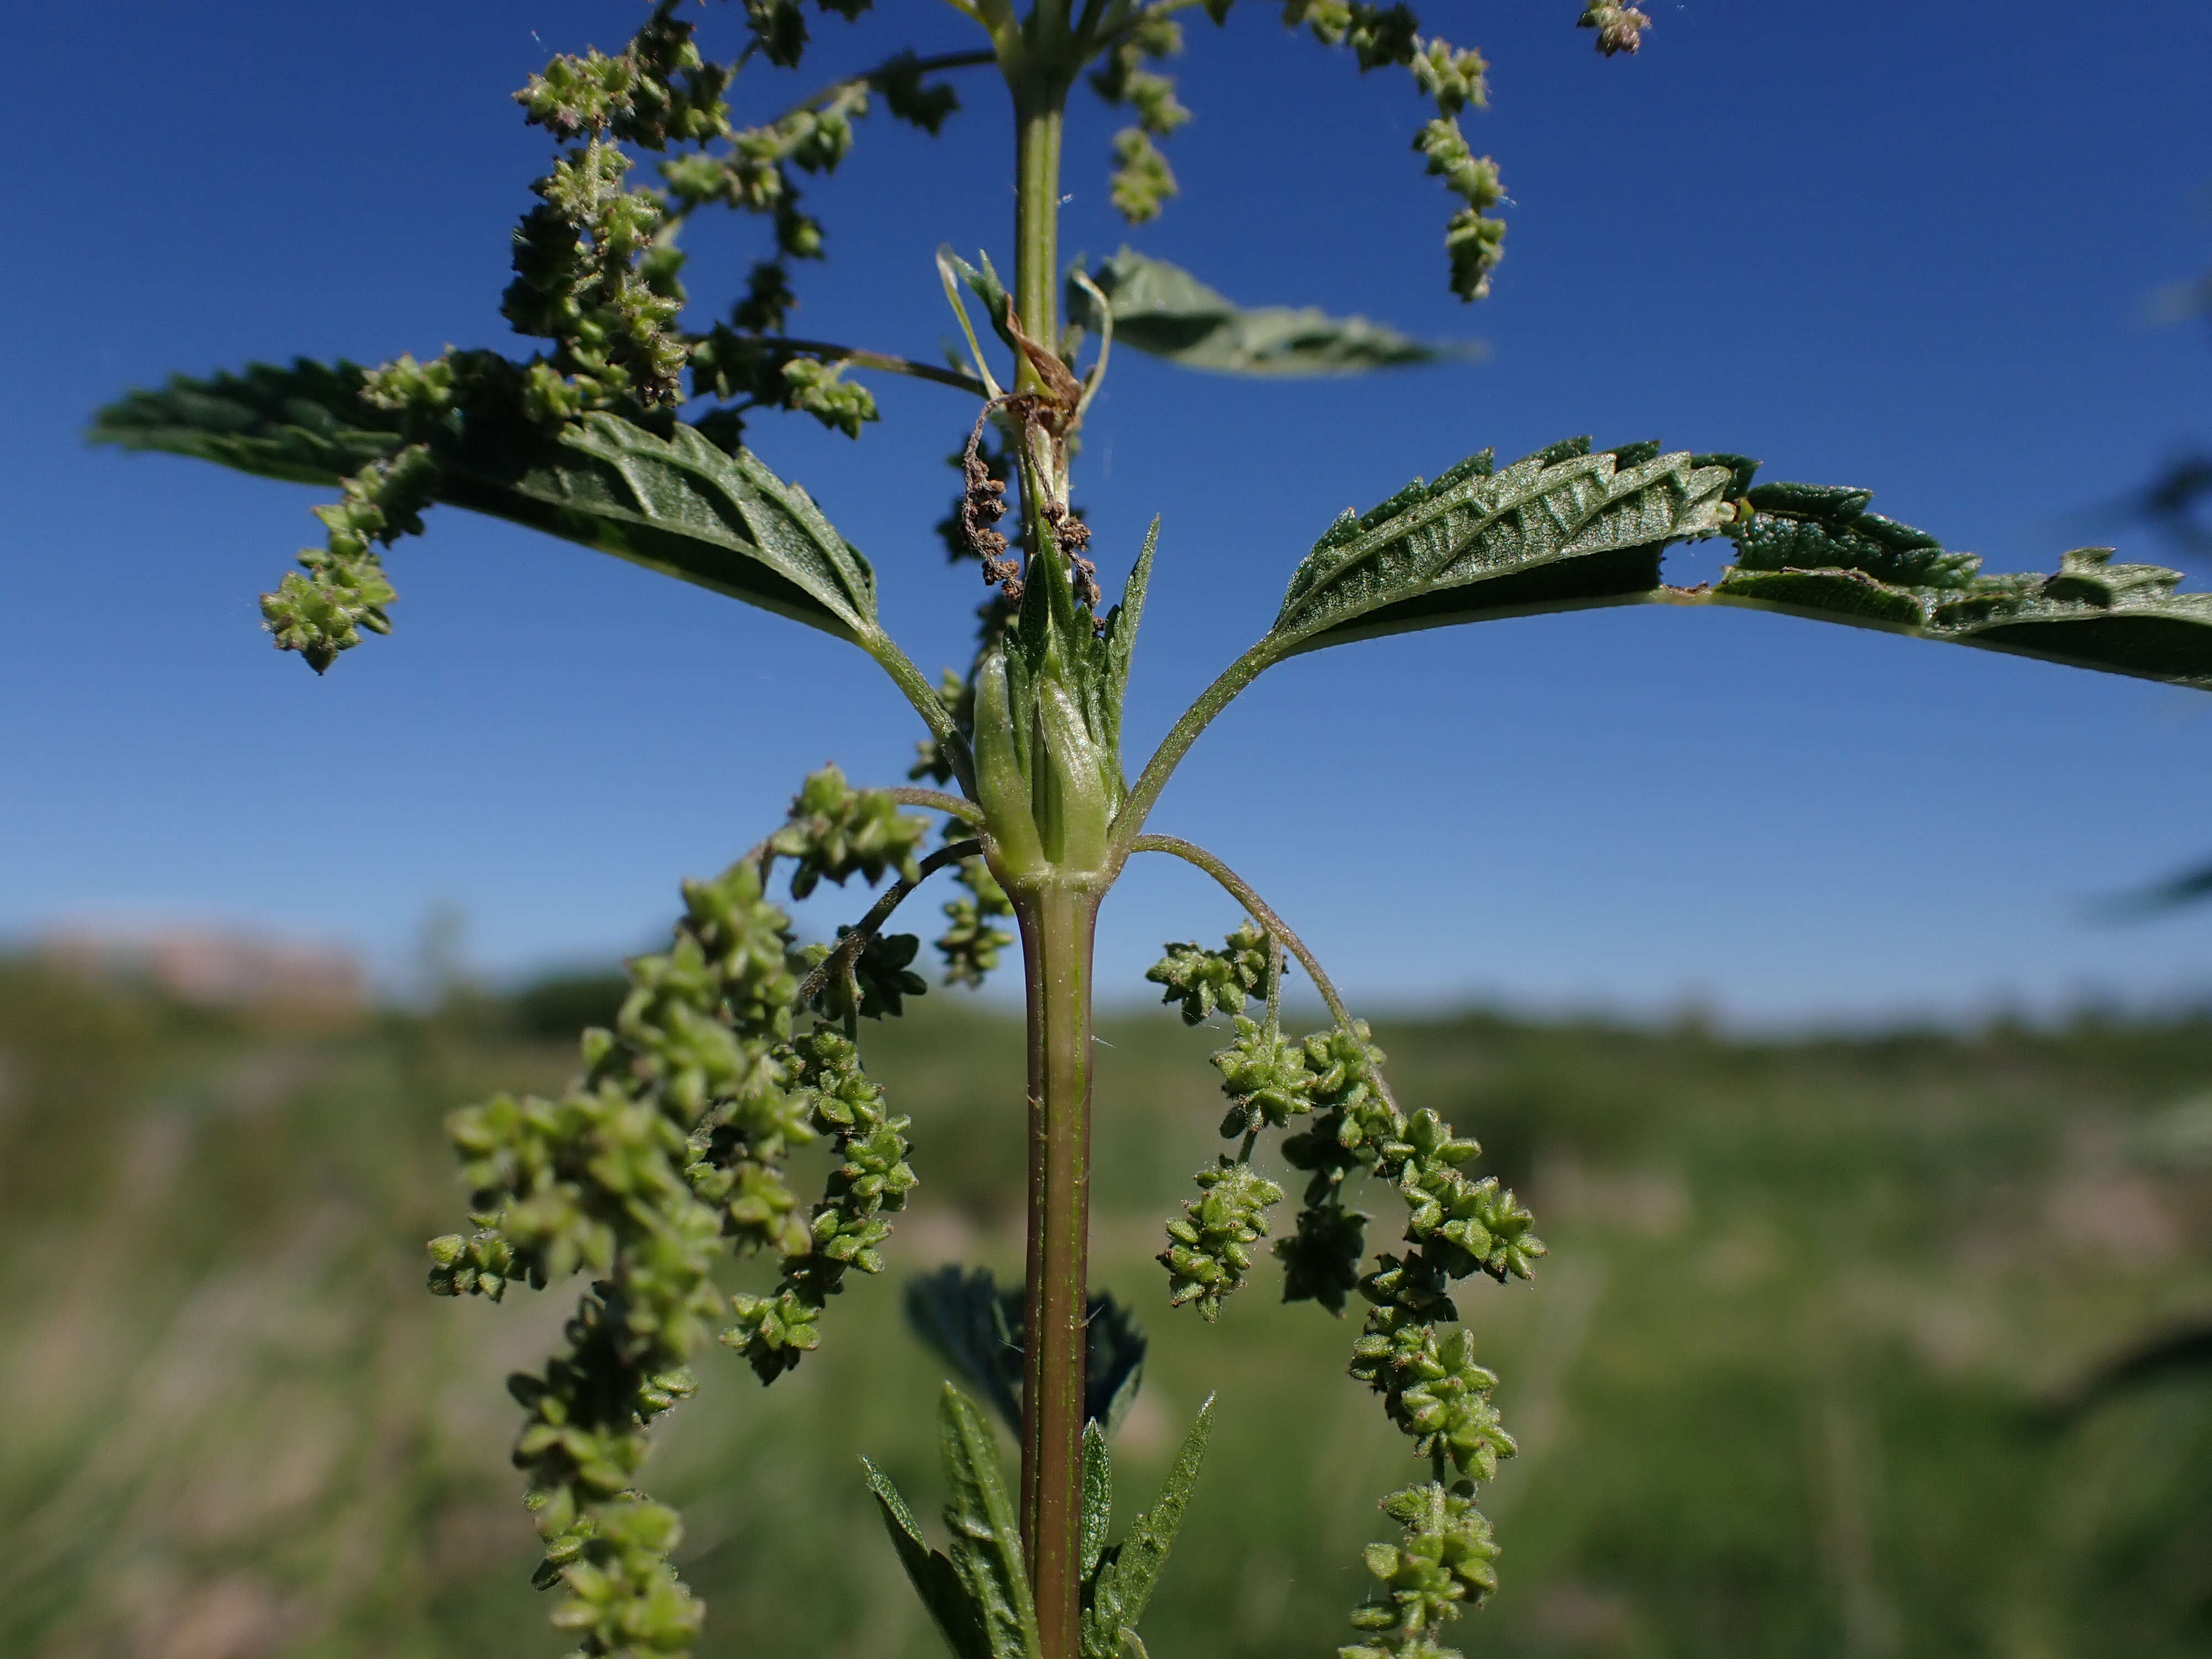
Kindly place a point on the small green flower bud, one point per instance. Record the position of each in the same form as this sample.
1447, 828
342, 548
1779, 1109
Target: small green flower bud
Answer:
1207, 1253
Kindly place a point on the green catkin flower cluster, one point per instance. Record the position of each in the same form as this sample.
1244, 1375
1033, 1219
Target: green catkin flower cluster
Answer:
616, 1177
847, 1228
597, 264
1440, 1565
1452, 77
838, 832
346, 589
1411, 1350
779, 27
1142, 179
1321, 1258
606, 1545
754, 176
597, 272
1620, 29
742, 360
1203, 980
668, 1148
591, 271
1473, 242
1265, 1076
1209, 1250
1432, 1387
971, 941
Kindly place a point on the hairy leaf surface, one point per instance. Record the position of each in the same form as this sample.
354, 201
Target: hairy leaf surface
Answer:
984, 283
932, 1573
1558, 528
304, 424
1162, 310
986, 1541
1097, 1496
682, 506
675, 503
1567, 527
1122, 1585
1104, 683
1812, 551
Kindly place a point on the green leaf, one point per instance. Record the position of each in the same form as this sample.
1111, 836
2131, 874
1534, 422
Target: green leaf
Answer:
677, 504
304, 424
1812, 552
986, 1542
1098, 1497
2189, 887
967, 1322
1565, 528
932, 1573
1120, 637
1163, 310
1560, 528
682, 506
985, 285
1112, 1362
1123, 1583
973, 1327
1105, 657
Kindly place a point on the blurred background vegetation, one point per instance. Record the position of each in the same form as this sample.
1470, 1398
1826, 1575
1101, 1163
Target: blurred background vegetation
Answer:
1813, 1368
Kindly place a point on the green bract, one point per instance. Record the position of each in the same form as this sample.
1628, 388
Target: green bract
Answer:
739, 1045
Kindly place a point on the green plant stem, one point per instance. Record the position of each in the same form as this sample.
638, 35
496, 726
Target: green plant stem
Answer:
1038, 117
937, 801
1039, 103
1056, 916
1057, 925
926, 703
1129, 821
1278, 931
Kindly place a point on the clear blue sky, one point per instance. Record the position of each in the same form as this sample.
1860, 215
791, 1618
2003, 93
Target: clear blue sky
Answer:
1906, 246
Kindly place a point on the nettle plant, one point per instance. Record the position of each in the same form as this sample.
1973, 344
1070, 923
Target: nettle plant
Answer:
739, 1044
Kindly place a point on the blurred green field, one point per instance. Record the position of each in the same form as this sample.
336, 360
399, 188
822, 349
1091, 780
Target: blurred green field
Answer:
1791, 1382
